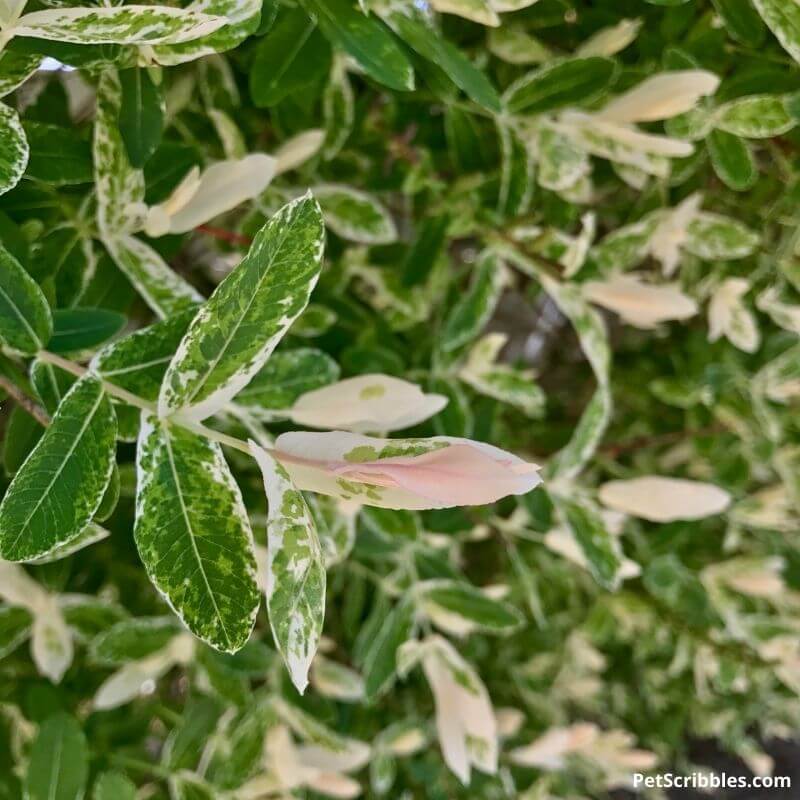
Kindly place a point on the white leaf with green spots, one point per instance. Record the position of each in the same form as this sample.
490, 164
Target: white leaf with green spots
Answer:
61, 484
241, 20
295, 580
474, 309
714, 237
161, 288
504, 382
119, 187
235, 332
783, 19
133, 24
26, 323
193, 534
626, 247
354, 215
561, 163
756, 117
13, 148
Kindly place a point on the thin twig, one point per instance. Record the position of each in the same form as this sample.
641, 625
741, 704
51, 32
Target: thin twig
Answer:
25, 402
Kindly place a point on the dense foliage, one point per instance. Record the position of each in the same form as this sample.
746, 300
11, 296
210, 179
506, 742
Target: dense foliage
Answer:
243, 243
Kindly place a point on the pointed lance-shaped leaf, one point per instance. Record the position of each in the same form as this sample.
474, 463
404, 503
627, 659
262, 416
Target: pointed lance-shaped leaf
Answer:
58, 767
58, 489
14, 151
193, 534
235, 332
131, 24
25, 320
295, 579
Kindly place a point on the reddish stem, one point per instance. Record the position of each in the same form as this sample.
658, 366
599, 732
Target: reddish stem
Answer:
225, 236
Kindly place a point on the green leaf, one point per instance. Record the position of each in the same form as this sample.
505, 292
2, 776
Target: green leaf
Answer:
295, 580
783, 19
379, 661
137, 363
732, 160
679, 589
90, 535
15, 628
76, 329
354, 215
742, 21
66, 255
291, 57
132, 639
20, 437
58, 489
568, 82
25, 320
141, 115
113, 786
414, 29
15, 69
59, 761
596, 543
516, 173
193, 534
365, 39
287, 375
469, 606
235, 332
117, 25
474, 309
50, 383
14, 150
58, 156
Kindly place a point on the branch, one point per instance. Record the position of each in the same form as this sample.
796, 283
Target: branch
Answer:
25, 402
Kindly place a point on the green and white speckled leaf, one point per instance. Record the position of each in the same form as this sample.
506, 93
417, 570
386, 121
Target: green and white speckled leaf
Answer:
561, 163
15, 69
504, 382
241, 20
460, 608
58, 489
287, 375
474, 309
626, 247
235, 332
756, 117
355, 215
193, 534
714, 237
295, 579
25, 320
90, 535
592, 334
119, 187
597, 544
138, 362
14, 150
133, 24
783, 19
160, 287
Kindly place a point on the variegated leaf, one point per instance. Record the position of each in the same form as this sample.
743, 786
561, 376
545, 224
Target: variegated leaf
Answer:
295, 579
58, 489
193, 534
235, 332
14, 150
